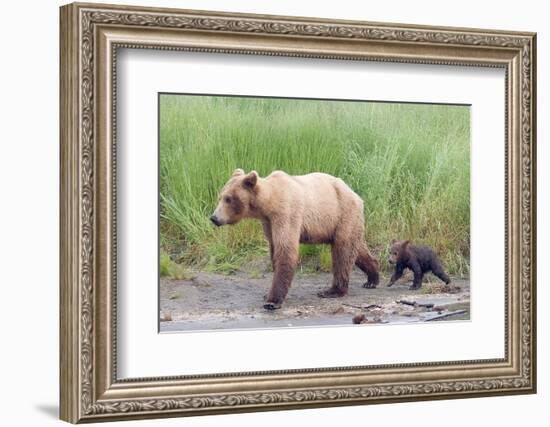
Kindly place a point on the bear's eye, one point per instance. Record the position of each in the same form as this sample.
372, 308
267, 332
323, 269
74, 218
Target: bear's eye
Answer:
227, 199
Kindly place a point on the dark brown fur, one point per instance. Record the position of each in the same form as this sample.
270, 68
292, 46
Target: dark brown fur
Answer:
419, 259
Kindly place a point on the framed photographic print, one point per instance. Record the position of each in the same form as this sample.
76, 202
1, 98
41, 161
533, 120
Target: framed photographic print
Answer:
266, 212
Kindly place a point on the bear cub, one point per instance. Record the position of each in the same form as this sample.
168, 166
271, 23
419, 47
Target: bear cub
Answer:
419, 259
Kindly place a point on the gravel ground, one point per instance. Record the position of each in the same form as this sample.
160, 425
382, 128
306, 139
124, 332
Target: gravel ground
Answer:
213, 301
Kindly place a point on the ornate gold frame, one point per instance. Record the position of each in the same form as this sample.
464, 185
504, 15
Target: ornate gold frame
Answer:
90, 36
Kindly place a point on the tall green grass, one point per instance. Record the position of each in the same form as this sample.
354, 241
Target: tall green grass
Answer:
410, 163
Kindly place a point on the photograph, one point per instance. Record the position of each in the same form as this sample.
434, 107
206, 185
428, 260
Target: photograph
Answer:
268, 212
291, 212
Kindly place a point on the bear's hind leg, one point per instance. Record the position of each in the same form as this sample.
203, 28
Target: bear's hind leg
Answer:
418, 276
437, 270
369, 265
343, 258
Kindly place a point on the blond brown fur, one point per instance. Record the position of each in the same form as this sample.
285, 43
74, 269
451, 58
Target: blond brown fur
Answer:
314, 208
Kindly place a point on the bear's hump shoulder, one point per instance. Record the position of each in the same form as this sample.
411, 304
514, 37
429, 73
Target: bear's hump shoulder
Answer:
277, 174
278, 177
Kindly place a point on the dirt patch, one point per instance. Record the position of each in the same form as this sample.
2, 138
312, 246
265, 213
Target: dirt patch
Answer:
213, 301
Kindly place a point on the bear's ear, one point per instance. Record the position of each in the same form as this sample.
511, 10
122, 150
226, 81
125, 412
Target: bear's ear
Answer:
405, 244
238, 172
250, 180
393, 241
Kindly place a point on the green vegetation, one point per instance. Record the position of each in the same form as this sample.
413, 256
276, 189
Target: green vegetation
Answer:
410, 163
170, 269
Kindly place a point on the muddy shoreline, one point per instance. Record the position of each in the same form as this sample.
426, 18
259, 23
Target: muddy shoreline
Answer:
214, 302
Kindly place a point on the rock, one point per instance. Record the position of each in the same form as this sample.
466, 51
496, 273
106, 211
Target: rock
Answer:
359, 318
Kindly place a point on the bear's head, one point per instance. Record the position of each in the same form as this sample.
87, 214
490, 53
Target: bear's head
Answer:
398, 250
236, 198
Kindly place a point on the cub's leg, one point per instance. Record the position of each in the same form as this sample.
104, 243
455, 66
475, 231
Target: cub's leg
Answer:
437, 269
418, 276
399, 269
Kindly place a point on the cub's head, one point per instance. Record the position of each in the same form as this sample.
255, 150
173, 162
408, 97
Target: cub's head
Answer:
397, 250
236, 198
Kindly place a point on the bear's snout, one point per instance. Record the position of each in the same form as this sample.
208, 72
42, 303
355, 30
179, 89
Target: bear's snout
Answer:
215, 220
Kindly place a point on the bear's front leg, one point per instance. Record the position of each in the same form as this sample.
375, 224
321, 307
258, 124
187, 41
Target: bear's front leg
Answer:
285, 258
399, 269
269, 237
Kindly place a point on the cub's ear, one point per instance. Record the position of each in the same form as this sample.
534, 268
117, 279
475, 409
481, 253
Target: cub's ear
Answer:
250, 180
393, 241
405, 243
238, 172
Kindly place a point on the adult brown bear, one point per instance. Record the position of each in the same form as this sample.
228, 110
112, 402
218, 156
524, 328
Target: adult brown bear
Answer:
313, 208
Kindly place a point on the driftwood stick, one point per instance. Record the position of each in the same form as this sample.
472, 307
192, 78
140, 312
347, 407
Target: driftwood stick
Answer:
441, 316
367, 307
429, 305
404, 301
353, 306
415, 304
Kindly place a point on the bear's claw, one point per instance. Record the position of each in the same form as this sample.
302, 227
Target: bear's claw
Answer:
272, 306
330, 293
369, 285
